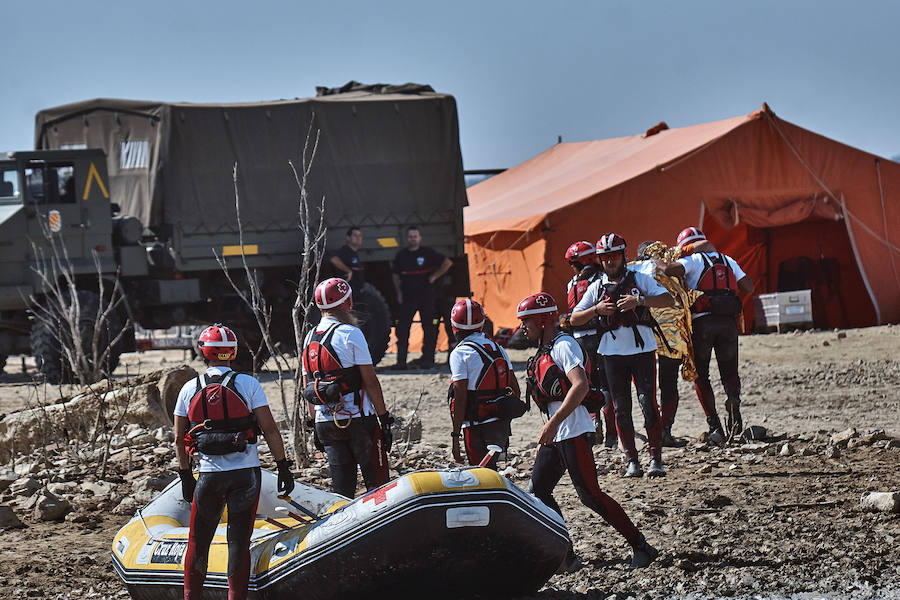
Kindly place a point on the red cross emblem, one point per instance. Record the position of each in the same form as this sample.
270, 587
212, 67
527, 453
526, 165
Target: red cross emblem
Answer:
380, 495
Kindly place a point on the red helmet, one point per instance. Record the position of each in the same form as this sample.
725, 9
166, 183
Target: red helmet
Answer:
334, 293
688, 235
610, 243
218, 342
466, 315
541, 306
581, 253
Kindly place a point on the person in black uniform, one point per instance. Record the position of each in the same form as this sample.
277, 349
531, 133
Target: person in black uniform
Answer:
346, 260
415, 270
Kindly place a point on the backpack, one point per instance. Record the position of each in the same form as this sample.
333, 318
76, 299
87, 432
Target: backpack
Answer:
221, 420
719, 286
328, 379
492, 396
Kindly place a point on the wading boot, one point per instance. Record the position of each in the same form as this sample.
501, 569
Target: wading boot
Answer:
716, 433
633, 469
643, 555
656, 468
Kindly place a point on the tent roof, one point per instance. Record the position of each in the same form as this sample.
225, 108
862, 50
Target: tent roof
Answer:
519, 199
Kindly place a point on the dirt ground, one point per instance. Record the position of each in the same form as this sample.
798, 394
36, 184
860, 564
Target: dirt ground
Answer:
754, 521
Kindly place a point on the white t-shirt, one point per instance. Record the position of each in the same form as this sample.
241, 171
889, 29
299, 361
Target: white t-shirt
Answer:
581, 332
694, 264
466, 363
567, 355
252, 392
620, 342
351, 348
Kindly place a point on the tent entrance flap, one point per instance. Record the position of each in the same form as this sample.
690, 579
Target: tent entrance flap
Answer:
773, 210
813, 254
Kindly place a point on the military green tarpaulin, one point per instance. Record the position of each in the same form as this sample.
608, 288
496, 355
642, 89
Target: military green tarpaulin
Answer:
171, 163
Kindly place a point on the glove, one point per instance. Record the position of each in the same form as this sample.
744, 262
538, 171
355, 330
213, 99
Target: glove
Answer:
387, 437
285, 478
188, 483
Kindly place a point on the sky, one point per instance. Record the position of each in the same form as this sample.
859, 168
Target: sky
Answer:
522, 73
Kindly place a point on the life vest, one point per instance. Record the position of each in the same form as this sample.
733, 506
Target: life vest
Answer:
639, 315
577, 287
546, 382
716, 279
217, 406
322, 366
492, 384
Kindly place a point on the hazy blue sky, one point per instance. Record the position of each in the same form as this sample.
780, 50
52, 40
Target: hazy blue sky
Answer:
522, 72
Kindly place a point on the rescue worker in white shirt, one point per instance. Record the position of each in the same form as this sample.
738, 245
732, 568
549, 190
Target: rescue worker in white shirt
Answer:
714, 316
582, 257
483, 387
558, 383
620, 300
351, 423
218, 417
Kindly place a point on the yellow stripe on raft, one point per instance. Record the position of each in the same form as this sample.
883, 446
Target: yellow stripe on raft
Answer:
430, 482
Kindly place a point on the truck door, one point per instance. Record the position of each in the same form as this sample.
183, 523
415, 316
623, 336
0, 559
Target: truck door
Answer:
53, 206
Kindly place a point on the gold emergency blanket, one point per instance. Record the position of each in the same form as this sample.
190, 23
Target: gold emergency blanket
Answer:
674, 322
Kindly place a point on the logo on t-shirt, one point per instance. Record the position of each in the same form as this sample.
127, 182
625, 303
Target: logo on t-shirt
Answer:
420, 260
635, 291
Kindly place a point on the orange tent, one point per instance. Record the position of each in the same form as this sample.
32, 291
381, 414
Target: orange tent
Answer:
796, 209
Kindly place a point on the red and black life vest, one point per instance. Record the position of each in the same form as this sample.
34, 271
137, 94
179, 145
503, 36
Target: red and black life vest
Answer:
639, 315
321, 363
716, 279
577, 288
217, 406
492, 384
546, 382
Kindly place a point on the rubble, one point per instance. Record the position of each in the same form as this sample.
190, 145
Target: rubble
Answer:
887, 502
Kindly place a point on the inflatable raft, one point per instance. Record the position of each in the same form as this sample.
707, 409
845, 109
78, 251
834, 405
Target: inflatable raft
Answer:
446, 533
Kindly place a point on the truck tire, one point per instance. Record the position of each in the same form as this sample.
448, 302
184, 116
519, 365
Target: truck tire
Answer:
47, 352
2, 362
374, 319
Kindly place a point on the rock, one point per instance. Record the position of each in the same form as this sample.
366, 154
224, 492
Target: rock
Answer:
164, 434
25, 486
127, 506
755, 432
786, 450
807, 451
871, 438
8, 519
25, 468
7, 478
826, 343
30, 428
841, 335
170, 384
63, 487
705, 469
832, 452
51, 508
893, 445
881, 501
99, 489
840, 439
718, 501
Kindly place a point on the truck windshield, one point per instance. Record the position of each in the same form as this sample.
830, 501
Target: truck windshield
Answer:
9, 183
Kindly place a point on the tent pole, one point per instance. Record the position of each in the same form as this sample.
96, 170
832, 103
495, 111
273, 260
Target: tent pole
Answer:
859, 264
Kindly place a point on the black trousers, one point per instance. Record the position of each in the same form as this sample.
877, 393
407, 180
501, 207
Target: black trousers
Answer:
713, 332
574, 455
668, 388
621, 370
358, 445
478, 437
423, 303
239, 490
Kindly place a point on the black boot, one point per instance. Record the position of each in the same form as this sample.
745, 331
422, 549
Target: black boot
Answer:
716, 433
734, 424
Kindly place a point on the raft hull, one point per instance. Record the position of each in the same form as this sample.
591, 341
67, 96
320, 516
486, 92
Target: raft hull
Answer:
496, 542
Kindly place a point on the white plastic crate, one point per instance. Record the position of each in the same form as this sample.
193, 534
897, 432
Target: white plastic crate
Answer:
783, 308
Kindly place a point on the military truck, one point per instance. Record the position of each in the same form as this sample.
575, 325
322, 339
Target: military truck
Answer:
147, 187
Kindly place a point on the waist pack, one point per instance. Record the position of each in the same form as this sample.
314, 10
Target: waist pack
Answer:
323, 393
725, 305
217, 443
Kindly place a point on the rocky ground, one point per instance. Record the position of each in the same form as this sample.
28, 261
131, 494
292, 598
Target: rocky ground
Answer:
773, 519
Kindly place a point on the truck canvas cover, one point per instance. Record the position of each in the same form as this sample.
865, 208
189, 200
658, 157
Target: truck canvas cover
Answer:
384, 152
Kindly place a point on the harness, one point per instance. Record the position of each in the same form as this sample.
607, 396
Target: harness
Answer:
328, 379
545, 382
719, 286
491, 386
217, 408
577, 288
639, 315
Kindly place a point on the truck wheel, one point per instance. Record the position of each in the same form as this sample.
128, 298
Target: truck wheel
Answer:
47, 351
374, 319
2, 362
